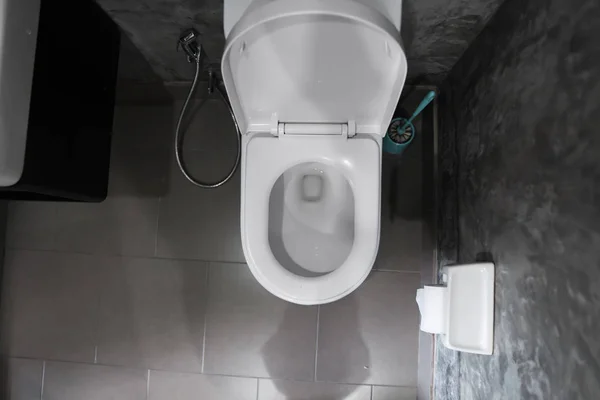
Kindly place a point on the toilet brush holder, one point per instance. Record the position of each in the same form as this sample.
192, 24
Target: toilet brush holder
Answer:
399, 136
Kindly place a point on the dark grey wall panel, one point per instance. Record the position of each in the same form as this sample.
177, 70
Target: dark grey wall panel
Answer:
435, 32
520, 174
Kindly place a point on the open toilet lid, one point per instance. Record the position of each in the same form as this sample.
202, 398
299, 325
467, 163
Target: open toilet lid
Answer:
313, 61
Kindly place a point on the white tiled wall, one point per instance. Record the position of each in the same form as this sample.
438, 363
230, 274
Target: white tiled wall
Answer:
146, 296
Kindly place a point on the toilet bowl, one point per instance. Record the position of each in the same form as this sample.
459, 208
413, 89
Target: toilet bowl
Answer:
311, 219
313, 86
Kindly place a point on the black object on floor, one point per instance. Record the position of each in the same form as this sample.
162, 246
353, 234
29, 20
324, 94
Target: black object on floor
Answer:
72, 101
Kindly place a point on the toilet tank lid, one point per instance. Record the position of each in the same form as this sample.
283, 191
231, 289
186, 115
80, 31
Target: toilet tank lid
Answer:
313, 61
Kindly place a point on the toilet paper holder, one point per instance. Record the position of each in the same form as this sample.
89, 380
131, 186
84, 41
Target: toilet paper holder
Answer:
462, 309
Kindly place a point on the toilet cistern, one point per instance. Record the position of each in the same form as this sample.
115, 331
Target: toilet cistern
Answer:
312, 130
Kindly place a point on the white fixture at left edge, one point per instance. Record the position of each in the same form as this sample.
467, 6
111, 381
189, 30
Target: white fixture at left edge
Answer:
313, 85
462, 309
18, 38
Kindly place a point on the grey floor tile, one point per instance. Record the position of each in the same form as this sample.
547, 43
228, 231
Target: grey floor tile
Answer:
208, 125
143, 126
70, 381
198, 223
141, 151
250, 332
294, 390
49, 305
141, 172
400, 246
139, 93
117, 226
401, 235
371, 336
152, 313
183, 386
20, 379
31, 225
394, 393
426, 362
126, 222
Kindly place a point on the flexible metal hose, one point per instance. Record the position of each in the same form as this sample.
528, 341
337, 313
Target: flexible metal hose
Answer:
179, 136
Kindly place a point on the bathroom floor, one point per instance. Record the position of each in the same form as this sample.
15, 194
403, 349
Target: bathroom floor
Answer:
146, 296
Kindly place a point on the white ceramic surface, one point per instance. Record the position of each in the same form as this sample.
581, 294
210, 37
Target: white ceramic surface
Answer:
313, 61
234, 9
470, 308
462, 311
264, 159
313, 85
18, 37
311, 218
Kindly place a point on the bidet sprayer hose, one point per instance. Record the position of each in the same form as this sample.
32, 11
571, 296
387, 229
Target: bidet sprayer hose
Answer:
179, 136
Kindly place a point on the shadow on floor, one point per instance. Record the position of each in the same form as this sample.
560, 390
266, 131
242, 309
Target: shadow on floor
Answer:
350, 351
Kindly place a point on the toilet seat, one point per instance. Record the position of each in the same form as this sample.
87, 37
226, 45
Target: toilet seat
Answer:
312, 81
359, 159
298, 61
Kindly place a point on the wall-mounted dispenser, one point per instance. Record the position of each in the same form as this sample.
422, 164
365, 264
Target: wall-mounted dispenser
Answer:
462, 308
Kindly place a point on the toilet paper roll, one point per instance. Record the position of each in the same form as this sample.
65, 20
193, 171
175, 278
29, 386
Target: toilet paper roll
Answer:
431, 301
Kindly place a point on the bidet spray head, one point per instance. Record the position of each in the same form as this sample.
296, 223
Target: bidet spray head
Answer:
188, 41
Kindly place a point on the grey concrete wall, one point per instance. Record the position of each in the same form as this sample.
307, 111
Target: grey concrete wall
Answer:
435, 32
520, 185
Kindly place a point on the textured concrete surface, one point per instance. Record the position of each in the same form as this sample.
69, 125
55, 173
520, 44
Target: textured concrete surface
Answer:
521, 177
435, 32
3, 211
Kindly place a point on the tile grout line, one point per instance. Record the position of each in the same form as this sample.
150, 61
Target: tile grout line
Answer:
317, 341
121, 366
372, 390
257, 388
156, 227
256, 378
155, 256
121, 255
96, 354
395, 271
43, 379
205, 316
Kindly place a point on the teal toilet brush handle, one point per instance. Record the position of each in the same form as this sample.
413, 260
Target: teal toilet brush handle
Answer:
424, 103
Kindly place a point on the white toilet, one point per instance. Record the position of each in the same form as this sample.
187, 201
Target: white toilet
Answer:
313, 85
